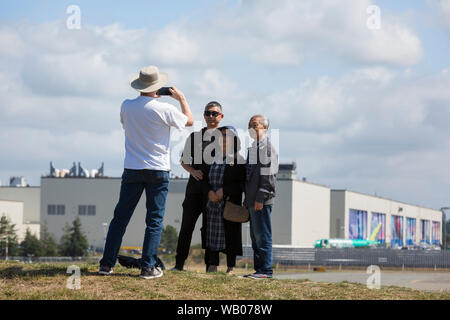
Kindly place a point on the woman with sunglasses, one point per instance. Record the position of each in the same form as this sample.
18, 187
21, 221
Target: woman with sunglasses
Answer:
224, 180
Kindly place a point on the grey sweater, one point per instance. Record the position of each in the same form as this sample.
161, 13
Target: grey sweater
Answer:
262, 169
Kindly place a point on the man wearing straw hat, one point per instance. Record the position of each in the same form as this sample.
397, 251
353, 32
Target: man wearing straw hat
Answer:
147, 124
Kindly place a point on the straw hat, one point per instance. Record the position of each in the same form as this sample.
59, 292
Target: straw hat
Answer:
149, 79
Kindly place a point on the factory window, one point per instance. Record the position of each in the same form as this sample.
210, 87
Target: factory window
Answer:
86, 210
60, 210
410, 231
91, 210
425, 231
378, 219
357, 224
436, 233
56, 209
51, 209
82, 210
396, 231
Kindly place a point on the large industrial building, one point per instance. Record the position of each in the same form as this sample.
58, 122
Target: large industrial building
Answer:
14, 212
303, 212
31, 198
355, 216
21, 205
300, 213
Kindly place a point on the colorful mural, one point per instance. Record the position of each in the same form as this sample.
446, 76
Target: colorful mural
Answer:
425, 232
411, 231
357, 224
396, 231
378, 218
436, 233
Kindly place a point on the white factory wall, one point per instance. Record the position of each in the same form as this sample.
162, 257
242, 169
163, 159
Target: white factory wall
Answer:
35, 229
31, 198
282, 213
359, 201
104, 194
310, 213
302, 213
14, 211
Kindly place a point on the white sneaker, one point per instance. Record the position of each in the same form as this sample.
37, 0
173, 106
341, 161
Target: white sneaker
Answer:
147, 273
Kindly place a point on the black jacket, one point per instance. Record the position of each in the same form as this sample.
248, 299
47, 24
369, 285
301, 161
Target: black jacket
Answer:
233, 188
193, 149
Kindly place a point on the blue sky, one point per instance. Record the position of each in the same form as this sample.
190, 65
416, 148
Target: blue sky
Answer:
134, 14
356, 108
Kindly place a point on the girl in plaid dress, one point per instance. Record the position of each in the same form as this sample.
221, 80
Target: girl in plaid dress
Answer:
224, 181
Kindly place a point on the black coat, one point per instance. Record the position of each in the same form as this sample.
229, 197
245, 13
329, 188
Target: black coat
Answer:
194, 143
233, 189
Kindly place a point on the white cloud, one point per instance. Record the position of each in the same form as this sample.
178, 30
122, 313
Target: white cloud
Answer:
213, 83
174, 46
13, 41
299, 28
444, 10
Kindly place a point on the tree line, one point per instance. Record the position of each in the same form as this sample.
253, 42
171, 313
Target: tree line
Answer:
73, 242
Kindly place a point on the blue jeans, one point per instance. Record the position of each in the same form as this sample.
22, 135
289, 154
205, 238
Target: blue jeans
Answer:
261, 235
134, 182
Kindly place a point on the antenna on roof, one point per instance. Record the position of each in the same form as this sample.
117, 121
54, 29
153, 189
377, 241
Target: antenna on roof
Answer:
82, 172
73, 171
52, 170
101, 170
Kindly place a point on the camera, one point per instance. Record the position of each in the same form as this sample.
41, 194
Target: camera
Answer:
164, 91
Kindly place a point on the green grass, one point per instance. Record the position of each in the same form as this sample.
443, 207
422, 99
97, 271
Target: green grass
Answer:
48, 281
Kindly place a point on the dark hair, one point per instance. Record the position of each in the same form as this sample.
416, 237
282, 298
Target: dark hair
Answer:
233, 133
213, 104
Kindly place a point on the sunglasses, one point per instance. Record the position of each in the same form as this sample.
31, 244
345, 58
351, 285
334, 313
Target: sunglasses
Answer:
212, 113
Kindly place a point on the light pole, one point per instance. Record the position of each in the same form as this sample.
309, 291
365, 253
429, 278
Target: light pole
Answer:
444, 222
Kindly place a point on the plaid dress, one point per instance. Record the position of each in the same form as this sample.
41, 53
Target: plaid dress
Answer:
215, 232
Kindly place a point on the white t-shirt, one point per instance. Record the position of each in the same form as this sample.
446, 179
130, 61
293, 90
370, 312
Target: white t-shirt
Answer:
147, 123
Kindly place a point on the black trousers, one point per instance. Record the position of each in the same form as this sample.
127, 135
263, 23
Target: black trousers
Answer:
193, 206
212, 258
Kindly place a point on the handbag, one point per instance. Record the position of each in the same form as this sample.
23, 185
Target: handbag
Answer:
235, 213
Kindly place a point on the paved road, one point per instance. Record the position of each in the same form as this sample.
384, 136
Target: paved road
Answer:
429, 281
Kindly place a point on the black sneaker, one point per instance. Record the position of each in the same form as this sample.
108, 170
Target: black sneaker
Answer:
147, 273
105, 270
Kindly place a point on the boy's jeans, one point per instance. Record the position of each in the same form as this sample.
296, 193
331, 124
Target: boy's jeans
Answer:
261, 235
134, 182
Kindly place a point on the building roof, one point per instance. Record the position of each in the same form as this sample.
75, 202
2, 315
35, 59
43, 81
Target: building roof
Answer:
287, 166
384, 198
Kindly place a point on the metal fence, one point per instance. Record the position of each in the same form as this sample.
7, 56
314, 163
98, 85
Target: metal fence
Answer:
358, 257
51, 259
